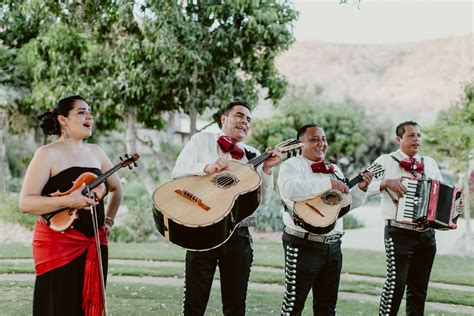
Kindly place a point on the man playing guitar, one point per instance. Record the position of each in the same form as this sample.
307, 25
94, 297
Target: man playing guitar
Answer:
207, 153
313, 261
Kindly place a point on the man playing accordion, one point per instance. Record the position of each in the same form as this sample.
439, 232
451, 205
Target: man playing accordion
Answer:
410, 247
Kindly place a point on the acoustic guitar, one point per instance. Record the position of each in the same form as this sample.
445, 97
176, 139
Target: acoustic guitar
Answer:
319, 214
201, 212
63, 219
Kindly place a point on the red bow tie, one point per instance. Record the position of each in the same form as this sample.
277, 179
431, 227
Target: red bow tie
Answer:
322, 167
411, 165
228, 144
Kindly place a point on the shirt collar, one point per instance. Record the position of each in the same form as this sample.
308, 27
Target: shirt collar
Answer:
404, 156
240, 144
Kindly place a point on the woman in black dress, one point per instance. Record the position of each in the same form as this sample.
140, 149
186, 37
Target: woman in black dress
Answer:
66, 264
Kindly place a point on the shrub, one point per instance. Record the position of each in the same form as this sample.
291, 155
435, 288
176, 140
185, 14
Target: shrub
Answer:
269, 217
10, 212
350, 222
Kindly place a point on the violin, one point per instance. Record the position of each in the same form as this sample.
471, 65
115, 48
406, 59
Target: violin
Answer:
63, 219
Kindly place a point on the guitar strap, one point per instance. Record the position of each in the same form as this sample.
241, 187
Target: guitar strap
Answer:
249, 154
249, 221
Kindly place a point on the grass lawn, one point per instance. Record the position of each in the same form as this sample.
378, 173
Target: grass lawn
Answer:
363, 262
145, 299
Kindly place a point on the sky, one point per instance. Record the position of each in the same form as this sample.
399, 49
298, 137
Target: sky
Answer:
382, 21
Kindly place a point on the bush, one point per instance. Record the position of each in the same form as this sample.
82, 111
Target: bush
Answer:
138, 225
14, 185
10, 212
121, 233
350, 222
269, 217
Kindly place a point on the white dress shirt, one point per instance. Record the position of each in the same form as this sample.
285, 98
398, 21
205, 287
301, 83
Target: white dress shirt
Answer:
394, 171
202, 150
297, 182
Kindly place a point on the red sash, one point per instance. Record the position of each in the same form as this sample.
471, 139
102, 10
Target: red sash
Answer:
52, 249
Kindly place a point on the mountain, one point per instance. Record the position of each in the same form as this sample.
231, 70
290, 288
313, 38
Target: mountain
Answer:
396, 81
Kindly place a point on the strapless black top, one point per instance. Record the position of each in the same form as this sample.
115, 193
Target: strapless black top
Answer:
63, 181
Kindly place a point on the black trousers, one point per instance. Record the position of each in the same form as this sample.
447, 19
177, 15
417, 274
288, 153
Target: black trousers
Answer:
410, 256
234, 259
311, 265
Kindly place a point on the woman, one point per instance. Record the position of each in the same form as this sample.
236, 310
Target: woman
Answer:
66, 264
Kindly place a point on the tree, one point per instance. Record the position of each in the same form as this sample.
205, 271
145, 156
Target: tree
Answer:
451, 140
135, 63
355, 140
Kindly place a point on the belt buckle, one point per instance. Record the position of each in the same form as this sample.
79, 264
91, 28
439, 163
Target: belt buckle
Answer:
422, 228
331, 239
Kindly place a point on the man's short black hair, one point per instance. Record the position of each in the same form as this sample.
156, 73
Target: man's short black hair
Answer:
303, 129
231, 105
400, 129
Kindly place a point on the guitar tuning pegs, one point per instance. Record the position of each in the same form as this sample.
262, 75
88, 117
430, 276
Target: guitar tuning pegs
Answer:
135, 164
129, 167
121, 159
126, 156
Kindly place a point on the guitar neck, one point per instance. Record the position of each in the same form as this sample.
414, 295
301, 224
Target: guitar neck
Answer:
259, 160
354, 181
97, 181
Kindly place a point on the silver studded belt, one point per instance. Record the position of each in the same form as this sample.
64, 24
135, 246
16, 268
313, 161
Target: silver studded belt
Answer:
331, 239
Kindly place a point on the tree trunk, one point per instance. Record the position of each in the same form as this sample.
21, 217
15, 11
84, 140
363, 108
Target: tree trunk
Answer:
192, 120
131, 143
3, 153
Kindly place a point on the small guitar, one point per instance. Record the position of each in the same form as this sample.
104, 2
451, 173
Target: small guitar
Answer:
63, 219
201, 212
319, 214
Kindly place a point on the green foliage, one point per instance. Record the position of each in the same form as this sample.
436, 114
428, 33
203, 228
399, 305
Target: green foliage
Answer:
269, 217
138, 225
149, 58
19, 153
10, 212
350, 222
451, 137
350, 133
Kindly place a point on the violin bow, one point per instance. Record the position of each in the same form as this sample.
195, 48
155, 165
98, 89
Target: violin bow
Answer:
95, 225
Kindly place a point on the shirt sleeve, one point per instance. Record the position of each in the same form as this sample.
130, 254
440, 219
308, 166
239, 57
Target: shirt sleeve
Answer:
294, 187
188, 162
434, 169
267, 186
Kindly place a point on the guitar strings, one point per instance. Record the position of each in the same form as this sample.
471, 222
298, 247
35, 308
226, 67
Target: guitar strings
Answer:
237, 172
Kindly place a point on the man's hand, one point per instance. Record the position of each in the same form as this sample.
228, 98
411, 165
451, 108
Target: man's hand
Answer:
340, 186
217, 166
394, 185
366, 179
272, 161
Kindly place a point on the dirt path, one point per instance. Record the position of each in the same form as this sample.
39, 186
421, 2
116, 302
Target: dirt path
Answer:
177, 264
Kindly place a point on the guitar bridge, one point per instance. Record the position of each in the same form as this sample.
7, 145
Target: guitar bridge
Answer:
193, 198
314, 209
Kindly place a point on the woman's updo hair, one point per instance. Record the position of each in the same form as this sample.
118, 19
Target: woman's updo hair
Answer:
48, 121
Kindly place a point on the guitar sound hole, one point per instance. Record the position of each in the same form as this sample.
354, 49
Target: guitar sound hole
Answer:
332, 198
225, 180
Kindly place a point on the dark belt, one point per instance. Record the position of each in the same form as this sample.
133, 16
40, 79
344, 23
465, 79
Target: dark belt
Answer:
313, 237
415, 227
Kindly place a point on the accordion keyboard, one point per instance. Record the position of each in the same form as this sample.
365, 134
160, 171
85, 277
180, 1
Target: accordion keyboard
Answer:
408, 205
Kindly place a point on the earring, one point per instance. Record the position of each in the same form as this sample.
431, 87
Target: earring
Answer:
66, 134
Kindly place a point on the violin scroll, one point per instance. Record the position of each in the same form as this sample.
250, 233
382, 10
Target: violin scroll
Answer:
130, 160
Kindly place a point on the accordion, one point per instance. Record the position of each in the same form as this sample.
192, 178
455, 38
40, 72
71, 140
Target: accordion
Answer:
431, 203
